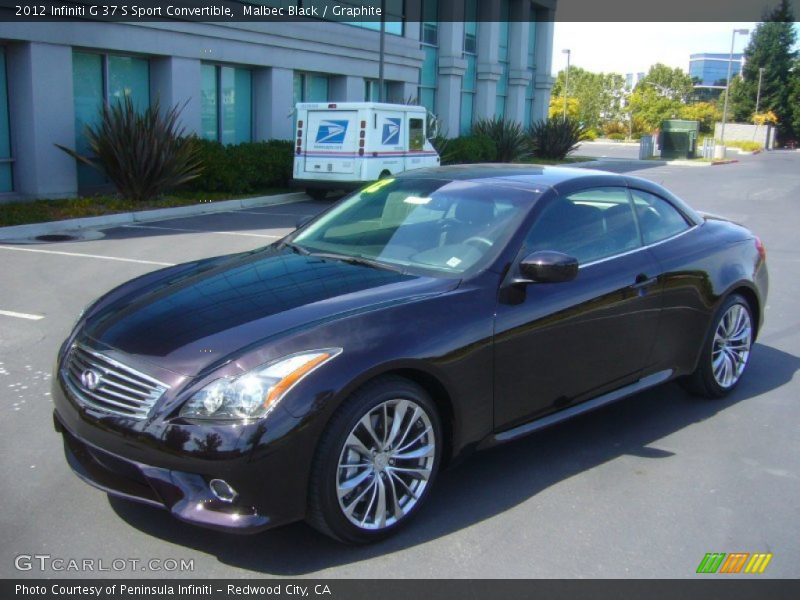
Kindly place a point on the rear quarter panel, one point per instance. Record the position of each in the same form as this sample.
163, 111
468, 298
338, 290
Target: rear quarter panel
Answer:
699, 270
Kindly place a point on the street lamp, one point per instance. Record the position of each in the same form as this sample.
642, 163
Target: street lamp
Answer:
728, 85
758, 93
566, 81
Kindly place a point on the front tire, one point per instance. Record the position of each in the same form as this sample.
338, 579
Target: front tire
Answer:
726, 350
376, 462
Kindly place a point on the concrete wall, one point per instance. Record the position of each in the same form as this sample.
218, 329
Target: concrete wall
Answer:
744, 132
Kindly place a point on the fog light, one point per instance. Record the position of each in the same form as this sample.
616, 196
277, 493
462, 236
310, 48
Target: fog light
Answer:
222, 490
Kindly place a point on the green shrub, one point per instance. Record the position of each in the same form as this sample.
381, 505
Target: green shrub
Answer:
144, 153
469, 149
508, 137
243, 168
591, 134
554, 138
636, 136
616, 136
613, 127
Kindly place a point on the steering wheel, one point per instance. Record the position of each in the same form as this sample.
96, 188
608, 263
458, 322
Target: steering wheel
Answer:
478, 239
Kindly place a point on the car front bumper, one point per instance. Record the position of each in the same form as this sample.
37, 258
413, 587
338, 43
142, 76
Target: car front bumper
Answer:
270, 477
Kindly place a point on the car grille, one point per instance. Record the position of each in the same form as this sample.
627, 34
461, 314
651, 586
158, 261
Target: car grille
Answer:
102, 383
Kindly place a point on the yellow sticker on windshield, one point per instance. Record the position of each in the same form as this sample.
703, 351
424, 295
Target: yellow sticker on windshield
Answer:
377, 185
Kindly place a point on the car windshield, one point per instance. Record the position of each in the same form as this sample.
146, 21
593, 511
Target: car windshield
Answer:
433, 226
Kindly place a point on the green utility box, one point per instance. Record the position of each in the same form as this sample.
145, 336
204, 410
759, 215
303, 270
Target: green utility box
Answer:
679, 138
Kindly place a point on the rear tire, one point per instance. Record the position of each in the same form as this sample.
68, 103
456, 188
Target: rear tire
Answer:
376, 462
726, 351
317, 193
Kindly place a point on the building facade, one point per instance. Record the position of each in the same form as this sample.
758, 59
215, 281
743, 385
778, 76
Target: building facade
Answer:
711, 70
239, 81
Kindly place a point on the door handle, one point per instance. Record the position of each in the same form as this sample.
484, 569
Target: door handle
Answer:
643, 281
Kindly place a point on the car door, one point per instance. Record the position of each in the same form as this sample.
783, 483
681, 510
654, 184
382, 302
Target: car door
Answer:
682, 252
557, 344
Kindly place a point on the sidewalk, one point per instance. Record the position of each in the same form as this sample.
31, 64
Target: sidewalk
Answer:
25, 232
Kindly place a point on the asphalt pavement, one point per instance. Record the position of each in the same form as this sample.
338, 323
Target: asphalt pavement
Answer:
643, 488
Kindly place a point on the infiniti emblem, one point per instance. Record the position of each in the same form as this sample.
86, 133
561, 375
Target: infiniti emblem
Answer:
90, 379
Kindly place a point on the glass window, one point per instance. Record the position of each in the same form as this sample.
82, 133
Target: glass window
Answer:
529, 91
658, 219
208, 102
502, 83
421, 225
226, 104
129, 76
588, 225
416, 134
371, 88
465, 125
6, 179
428, 74
88, 94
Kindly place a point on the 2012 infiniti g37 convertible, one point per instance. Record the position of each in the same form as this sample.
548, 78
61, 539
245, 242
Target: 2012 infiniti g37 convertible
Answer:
331, 375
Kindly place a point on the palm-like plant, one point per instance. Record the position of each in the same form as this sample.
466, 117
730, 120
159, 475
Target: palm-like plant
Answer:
554, 138
144, 153
508, 137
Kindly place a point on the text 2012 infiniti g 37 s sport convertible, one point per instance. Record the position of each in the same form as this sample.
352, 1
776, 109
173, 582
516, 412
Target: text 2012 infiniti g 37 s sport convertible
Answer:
331, 375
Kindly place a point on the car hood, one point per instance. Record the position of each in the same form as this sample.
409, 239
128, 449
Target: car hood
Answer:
207, 314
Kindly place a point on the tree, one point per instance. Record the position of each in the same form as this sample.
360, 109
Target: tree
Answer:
771, 48
557, 107
670, 83
707, 113
598, 95
659, 95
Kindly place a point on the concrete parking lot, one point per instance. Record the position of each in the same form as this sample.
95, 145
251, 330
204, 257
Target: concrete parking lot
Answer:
643, 488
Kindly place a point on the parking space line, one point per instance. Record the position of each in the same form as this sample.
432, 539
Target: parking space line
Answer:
19, 315
271, 214
81, 255
261, 235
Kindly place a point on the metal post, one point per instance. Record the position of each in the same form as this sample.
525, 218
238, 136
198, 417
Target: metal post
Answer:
382, 51
566, 82
758, 93
728, 85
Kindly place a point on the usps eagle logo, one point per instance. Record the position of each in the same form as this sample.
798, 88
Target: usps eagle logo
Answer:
391, 132
331, 132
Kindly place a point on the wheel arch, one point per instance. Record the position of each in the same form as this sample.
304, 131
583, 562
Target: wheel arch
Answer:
433, 384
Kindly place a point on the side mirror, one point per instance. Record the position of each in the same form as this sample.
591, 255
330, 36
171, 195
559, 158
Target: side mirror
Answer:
302, 221
547, 266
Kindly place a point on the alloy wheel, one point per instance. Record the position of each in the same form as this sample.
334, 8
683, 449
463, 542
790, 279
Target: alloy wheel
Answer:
731, 348
385, 464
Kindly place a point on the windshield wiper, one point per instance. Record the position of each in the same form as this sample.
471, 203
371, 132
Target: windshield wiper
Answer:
295, 248
355, 259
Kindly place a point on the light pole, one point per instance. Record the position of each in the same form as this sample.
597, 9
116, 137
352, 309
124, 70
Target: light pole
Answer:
566, 81
728, 85
382, 51
758, 93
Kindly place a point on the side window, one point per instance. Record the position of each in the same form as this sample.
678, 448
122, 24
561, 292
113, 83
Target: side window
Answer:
588, 225
658, 219
416, 134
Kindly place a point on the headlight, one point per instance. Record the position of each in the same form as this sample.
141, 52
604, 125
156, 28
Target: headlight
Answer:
255, 393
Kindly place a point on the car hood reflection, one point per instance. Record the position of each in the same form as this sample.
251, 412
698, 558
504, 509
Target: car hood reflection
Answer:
209, 314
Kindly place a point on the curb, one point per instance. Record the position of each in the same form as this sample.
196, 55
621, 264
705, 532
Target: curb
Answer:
106, 221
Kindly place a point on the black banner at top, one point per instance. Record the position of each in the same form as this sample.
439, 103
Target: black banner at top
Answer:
372, 12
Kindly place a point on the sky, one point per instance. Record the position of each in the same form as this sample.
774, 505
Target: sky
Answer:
634, 47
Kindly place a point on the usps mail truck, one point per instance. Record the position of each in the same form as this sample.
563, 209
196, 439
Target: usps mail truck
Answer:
343, 145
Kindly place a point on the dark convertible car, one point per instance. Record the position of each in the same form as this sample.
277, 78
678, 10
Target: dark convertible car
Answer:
331, 375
